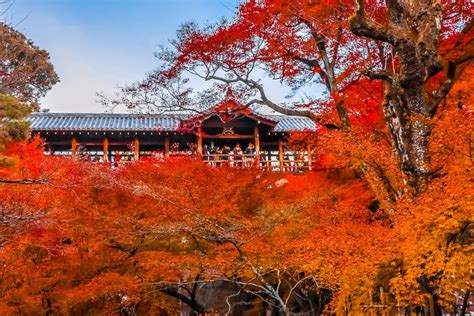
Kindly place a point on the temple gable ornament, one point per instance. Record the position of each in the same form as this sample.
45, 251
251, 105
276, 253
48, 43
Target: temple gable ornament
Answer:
227, 131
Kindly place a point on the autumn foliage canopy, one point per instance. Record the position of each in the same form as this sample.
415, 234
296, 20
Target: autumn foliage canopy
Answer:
383, 224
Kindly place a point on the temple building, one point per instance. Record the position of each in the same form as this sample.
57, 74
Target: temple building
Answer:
101, 137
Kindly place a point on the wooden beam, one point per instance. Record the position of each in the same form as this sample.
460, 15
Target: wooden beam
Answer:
74, 147
229, 136
105, 145
136, 149
280, 154
167, 146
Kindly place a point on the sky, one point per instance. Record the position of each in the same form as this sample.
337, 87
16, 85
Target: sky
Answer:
99, 45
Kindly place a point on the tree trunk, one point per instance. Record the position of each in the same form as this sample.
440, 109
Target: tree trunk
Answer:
465, 303
410, 127
413, 32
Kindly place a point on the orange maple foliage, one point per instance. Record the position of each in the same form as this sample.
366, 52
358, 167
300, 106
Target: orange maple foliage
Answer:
109, 239
352, 236
88, 239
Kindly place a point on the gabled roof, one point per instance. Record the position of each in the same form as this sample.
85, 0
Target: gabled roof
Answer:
227, 110
143, 122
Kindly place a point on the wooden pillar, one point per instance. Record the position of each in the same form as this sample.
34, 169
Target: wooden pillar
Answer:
257, 143
310, 157
268, 162
199, 142
136, 149
280, 154
74, 147
167, 146
256, 136
106, 149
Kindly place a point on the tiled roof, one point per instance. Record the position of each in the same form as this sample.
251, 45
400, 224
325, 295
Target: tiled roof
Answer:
140, 122
293, 123
102, 122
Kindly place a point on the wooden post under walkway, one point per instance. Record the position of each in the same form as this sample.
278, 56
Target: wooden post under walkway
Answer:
280, 154
105, 146
167, 146
199, 142
257, 142
136, 149
310, 157
74, 147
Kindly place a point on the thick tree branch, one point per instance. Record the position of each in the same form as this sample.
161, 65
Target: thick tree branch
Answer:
264, 100
335, 51
444, 88
292, 112
467, 28
312, 63
359, 25
465, 302
23, 181
328, 72
380, 75
448, 82
190, 302
321, 44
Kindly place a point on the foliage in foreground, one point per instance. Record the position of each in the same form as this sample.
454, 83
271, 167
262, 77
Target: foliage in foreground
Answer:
87, 239
387, 221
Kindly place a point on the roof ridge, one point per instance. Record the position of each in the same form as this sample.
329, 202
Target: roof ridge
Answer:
277, 116
105, 114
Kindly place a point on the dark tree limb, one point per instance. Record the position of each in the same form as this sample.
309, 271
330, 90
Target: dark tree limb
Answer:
264, 100
23, 181
312, 63
390, 189
444, 88
465, 302
378, 75
130, 250
328, 72
448, 83
183, 298
360, 25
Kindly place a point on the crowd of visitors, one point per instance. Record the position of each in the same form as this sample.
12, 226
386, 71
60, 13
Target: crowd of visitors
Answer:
213, 155
114, 158
238, 157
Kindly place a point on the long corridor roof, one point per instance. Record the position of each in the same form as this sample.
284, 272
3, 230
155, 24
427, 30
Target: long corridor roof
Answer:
141, 122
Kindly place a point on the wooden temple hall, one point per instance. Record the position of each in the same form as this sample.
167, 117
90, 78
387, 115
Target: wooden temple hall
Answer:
212, 137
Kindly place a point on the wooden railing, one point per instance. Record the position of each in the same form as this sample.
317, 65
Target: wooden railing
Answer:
260, 161
268, 161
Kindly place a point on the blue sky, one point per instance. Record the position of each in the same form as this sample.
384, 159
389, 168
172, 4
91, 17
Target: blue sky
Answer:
96, 45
